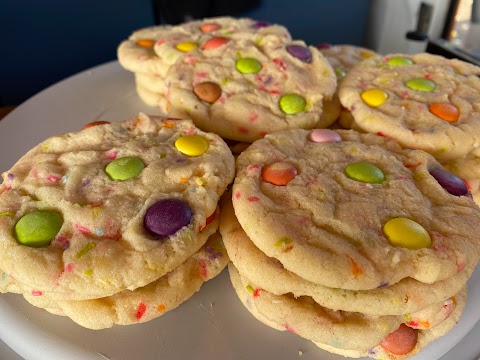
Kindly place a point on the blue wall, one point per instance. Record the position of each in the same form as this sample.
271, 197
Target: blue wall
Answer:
45, 41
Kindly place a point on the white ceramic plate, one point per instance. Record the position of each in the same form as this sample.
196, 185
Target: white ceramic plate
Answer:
213, 324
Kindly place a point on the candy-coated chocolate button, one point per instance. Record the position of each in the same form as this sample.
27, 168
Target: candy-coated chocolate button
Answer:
192, 145
366, 54
402, 341
292, 104
146, 43
339, 73
300, 52
324, 136
406, 233
445, 111
279, 173
324, 46
261, 24
124, 168
399, 61
248, 66
421, 84
186, 46
374, 97
94, 123
209, 27
208, 91
215, 42
364, 172
166, 217
450, 182
38, 228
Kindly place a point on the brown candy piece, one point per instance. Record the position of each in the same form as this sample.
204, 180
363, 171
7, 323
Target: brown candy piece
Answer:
208, 91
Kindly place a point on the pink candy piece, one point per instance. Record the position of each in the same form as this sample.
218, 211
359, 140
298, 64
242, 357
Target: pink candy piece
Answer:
324, 135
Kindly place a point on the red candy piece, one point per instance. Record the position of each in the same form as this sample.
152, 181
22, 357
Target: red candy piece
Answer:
401, 341
279, 173
215, 42
324, 46
95, 123
445, 111
209, 27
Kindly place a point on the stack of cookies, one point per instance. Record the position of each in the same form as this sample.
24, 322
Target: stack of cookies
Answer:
350, 241
116, 223
239, 78
423, 101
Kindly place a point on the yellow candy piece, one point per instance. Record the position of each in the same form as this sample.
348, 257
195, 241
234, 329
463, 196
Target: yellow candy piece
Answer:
192, 145
374, 97
366, 54
406, 233
186, 46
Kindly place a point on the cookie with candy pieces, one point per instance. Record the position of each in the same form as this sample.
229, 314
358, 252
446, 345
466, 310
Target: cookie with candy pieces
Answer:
408, 298
249, 89
300, 316
343, 58
423, 101
111, 207
148, 302
151, 51
354, 211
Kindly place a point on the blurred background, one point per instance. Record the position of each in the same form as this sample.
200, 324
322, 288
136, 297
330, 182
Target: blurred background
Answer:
47, 41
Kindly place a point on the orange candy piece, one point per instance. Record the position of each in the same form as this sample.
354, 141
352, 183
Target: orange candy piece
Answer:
215, 42
146, 43
401, 341
209, 27
208, 91
94, 123
445, 111
279, 173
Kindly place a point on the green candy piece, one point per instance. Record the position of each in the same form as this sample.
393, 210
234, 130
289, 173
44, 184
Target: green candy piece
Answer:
421, 84
365, 172
339, 73
292, 104
399, 61
38, 228
248, 66
124, 168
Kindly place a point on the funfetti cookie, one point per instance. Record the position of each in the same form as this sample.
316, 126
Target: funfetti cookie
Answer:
186, 39
151, 301
354, 214
424, 101
404, 298
111, 207
343, 58
152, 51
302, 316
137, 53
249, 89
467, 167
404, 342
150, 98
237, 29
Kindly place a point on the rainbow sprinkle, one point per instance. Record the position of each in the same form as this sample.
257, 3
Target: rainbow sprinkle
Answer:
85, 250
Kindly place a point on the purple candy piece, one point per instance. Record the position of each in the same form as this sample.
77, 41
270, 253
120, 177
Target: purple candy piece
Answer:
166, 217
261, 24
450, 182
300, 52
